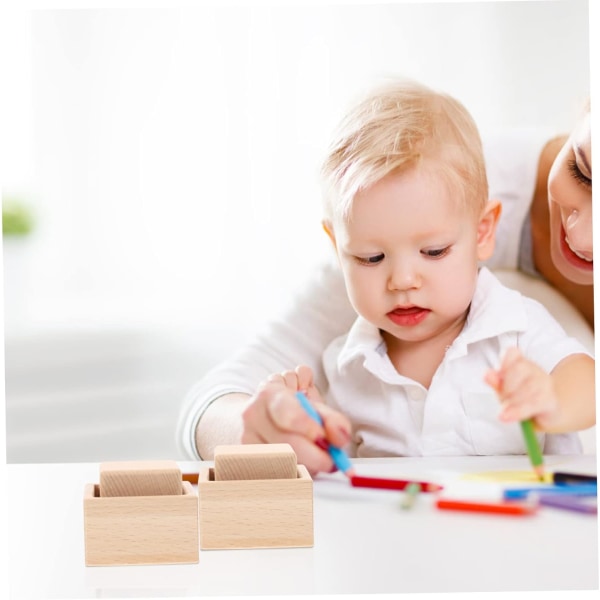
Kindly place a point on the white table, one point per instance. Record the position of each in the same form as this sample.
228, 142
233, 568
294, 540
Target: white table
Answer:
364, 542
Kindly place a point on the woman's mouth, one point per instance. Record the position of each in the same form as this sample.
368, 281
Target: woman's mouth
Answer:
581, 260
408, 316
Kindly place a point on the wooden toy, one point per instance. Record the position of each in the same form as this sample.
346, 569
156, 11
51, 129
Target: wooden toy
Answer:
255, 513
137, 529
255, 461
140, 478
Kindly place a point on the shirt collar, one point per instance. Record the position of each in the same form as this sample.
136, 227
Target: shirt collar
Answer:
495, 309
363, 339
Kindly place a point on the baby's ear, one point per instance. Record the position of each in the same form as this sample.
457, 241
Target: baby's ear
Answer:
486, 229
328, 228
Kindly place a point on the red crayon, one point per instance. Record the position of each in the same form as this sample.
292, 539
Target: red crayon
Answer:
506, 508
391, 484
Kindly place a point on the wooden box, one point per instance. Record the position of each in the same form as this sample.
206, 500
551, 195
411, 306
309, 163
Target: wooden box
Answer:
140, 530
255, 513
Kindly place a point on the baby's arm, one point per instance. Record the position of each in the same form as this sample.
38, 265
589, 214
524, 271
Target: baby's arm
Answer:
212, 411
558, 402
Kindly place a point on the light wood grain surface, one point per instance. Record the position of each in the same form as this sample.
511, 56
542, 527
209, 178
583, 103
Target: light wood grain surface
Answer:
255, 461
138, 530
261, 513
140, 478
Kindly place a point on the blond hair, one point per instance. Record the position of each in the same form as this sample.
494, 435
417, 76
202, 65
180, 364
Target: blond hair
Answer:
400, 125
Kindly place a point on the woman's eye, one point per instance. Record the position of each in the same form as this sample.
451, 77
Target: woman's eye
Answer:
436, 252
577, 174
370, 260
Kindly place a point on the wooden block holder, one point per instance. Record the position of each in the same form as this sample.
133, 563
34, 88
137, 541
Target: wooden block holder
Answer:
140, 530
255, 513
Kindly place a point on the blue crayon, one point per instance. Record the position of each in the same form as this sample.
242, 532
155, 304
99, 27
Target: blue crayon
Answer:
339, 457
552, 490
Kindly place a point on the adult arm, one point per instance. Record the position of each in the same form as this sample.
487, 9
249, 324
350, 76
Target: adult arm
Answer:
211, 412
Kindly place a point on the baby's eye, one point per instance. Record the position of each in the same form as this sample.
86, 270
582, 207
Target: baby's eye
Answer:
369, 260
436, 252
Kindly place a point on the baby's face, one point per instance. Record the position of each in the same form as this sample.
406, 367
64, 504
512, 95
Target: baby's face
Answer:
570, 204
409, 256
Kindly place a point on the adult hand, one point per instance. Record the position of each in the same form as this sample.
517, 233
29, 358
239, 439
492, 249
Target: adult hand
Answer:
275, 415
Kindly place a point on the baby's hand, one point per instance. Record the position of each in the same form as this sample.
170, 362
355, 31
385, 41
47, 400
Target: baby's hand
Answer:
275, 416
526, 391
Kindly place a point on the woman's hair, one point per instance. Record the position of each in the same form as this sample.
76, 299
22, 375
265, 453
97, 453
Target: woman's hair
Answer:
398, 126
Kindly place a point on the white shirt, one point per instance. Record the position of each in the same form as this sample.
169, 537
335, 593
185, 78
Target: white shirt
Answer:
393, 415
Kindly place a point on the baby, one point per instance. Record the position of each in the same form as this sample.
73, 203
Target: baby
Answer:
438, 339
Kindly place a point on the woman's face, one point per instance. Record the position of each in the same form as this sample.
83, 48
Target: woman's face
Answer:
570, 202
